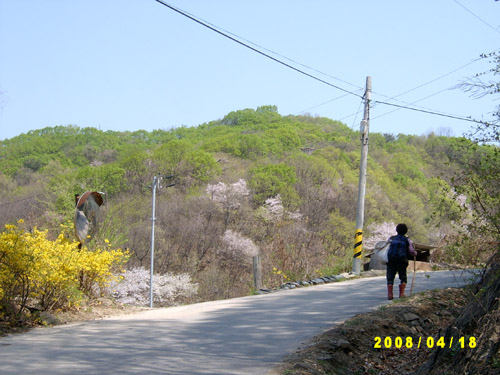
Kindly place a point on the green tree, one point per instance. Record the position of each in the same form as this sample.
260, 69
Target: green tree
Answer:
169, 156
247, 117
201, 166
108, 178
134, 161
480, 179
270, 180
483, 84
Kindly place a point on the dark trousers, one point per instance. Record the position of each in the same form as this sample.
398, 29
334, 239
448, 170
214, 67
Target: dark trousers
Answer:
394, 267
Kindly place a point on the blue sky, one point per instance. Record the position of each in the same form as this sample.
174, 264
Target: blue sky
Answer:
135, 64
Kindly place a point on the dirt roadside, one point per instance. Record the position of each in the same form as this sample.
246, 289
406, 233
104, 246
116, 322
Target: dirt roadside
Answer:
100, 308
375, 342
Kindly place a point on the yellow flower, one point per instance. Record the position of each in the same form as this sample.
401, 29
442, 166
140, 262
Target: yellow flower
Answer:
55, 271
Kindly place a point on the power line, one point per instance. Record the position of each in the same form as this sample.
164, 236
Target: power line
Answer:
274, 52
418, 87
19, 200
431, 81
419, 100
406, 92
28, 198
428, 112
476, 16
407, 105
319, 105
357, 113
226, 35
236, 38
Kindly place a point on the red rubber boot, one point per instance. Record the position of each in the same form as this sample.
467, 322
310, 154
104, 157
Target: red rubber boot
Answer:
389, 291
402, 290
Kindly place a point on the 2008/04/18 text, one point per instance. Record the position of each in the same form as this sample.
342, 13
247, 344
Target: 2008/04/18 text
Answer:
429, 342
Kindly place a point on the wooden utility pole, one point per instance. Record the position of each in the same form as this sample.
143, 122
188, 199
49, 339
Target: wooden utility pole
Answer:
257, 272
360, 209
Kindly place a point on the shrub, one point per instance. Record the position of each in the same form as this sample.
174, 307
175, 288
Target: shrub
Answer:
379, 232
38, 272
133, 288
238, 246
230, 196
273, 210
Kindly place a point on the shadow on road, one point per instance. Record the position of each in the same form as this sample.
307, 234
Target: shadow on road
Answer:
241, 336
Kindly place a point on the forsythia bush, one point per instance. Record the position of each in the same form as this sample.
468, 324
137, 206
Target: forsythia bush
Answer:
45, 274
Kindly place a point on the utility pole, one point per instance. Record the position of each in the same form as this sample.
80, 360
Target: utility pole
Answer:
156, 184
360, 209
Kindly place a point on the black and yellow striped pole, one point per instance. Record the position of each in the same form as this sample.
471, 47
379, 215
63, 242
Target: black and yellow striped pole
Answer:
358, 243
360, 210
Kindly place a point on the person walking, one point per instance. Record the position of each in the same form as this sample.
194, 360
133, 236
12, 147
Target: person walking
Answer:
401, 246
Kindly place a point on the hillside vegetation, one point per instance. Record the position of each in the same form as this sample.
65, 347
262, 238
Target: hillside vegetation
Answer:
254, 182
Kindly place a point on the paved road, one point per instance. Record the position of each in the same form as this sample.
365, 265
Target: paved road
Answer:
247, 336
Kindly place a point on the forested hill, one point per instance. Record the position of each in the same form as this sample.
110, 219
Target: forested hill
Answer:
254, 181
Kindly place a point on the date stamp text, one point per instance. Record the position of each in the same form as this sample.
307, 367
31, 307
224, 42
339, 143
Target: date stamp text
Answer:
423, 342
